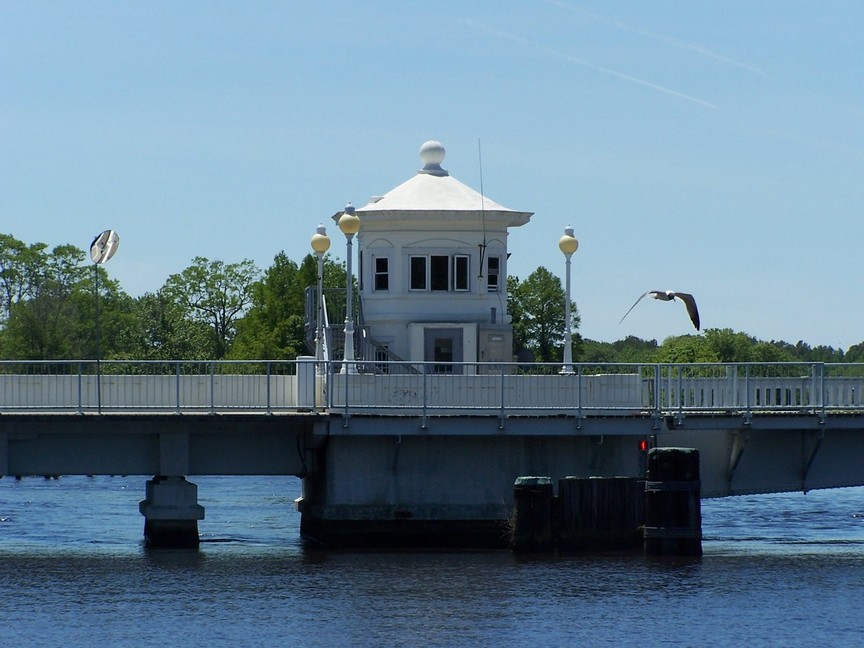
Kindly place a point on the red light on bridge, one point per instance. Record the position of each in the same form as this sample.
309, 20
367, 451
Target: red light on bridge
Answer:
643, 445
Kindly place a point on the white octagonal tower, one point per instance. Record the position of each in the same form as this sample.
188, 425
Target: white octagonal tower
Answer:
433, 268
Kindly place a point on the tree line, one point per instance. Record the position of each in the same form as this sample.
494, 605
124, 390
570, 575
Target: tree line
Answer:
49, 310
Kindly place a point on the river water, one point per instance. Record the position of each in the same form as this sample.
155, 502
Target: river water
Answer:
778, 570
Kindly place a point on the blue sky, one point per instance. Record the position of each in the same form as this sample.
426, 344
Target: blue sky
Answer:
715, 147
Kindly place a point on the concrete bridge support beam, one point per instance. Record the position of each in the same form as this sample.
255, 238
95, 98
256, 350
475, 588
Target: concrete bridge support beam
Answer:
171, 513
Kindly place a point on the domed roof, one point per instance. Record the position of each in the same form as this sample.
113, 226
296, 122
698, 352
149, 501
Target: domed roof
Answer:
433, 189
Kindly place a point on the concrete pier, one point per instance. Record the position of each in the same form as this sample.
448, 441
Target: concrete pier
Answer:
446, 490
171, 513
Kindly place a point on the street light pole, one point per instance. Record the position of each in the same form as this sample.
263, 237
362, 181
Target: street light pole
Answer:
568, 245
102, 248
349, 223
320, 245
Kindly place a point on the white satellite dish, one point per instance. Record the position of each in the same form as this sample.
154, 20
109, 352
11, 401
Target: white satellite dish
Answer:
104, 246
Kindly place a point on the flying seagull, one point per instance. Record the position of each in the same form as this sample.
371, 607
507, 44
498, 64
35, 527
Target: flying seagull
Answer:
669, 295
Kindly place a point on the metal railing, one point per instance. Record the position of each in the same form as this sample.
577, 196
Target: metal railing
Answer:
431, 388
148, 385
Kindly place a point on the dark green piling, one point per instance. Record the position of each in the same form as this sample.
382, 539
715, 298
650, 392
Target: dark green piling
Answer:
673, 513
600, 513
532, 529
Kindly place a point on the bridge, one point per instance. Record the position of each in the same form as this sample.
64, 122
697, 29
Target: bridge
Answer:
390, 447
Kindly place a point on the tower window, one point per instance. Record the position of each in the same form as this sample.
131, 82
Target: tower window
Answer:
460, 272
418, 273
493, 273
440, 272
382, 273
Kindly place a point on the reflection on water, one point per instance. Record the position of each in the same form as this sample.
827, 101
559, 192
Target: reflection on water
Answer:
783, 570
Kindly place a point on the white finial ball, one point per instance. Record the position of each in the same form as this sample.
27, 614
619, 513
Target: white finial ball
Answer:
432, 152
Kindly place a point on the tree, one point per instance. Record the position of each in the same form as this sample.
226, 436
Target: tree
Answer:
536, 307
686, 348
275, 326
160, 330
26, 271
729, 346
49, 303
39, 328
855, 353
216, 294
115, 315
15, 259
630, 350
767, 352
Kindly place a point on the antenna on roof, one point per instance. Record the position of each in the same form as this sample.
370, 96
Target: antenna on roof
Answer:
482, 210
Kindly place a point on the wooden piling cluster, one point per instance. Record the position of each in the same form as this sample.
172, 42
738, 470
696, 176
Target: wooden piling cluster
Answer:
660, 515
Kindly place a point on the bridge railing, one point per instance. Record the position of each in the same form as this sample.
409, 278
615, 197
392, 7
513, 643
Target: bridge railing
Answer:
142, 385
483, 388
431, 389
760, 387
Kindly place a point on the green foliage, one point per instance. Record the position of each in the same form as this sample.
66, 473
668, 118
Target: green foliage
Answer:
214, 293
629, 350
686, 348
855, 353
48, 310
39, 328
274, 327
19, 267
537, 309
48, 302
158, 329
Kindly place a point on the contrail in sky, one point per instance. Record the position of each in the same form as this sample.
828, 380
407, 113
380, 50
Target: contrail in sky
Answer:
660, 37
701, 51
591, 66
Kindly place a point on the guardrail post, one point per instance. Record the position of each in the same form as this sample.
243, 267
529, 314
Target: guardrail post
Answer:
670, 401
80, 387
423, 418
347, 375
177, 384
734, 370
269, 410
814, 389
747, 413
502, 415
212, 387
579, 397
822, 398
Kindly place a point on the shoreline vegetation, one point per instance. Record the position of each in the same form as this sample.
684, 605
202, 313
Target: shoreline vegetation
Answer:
49, 310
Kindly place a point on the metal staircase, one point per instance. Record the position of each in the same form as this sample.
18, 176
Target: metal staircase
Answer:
372, 355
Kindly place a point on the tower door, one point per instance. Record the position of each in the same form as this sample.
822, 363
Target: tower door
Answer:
444, 346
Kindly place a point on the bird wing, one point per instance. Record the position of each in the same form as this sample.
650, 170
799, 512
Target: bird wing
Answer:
634, 305
690, 303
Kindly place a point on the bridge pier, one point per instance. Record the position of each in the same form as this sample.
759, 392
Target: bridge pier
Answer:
171, 513
449, 489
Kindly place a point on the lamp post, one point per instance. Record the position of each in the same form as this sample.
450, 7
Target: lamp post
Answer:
568, 245
320, 245
102, 248
349, 223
